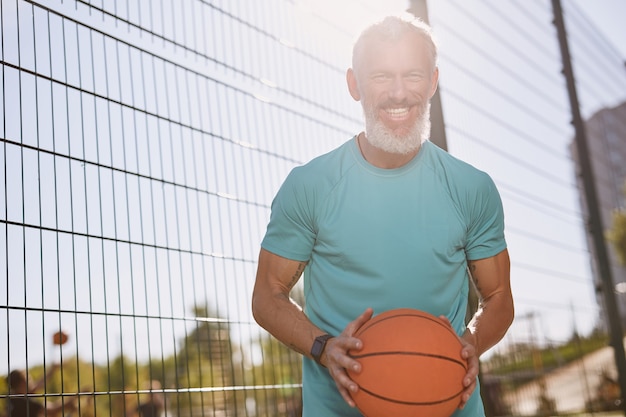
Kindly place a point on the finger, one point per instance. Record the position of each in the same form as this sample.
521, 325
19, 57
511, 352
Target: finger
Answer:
337, 353
469, 354
346, 386
467, 393
345, 394
353, 326
471, 374
446, 320
468, 349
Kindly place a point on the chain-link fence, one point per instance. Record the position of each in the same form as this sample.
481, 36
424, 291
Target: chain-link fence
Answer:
143, 142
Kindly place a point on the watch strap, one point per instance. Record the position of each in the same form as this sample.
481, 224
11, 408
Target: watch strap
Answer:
318, 347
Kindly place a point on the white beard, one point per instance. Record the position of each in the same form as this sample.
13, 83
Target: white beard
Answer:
380, 136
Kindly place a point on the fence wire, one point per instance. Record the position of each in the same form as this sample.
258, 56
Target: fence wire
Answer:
143, 142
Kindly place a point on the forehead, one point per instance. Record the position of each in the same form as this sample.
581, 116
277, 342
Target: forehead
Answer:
407, 52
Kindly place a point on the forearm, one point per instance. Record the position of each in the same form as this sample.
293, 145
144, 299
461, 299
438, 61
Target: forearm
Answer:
286, 321
491, 321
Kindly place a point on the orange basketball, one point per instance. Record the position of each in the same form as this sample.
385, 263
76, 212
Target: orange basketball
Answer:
411, 366
59, 338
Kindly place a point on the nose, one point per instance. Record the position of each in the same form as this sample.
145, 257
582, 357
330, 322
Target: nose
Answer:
398, 89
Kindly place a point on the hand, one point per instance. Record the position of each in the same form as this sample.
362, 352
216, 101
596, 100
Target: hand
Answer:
468, 352
469, 381
337, 360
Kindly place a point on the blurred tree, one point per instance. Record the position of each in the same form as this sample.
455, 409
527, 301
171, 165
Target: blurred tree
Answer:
280, 369
119, 375
205, 359
208, 374
617, 234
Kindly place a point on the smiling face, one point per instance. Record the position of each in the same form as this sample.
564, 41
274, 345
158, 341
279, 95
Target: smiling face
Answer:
394, 79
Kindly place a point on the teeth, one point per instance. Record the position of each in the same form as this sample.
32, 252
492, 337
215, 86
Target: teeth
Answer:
398, 112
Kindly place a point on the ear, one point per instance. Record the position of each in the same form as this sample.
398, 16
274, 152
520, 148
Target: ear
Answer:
353, 86
434, 82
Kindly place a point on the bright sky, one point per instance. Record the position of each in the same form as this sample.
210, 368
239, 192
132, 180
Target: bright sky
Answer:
534, 293
608, 17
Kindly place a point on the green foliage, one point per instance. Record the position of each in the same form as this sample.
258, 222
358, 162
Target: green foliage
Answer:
208, 374
280, 366
617, 234
531, 361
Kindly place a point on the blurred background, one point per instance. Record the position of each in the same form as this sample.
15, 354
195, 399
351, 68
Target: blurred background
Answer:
143, 142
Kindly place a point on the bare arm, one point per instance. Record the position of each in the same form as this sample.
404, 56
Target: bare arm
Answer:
39, 384
61, 407
491, 277
495, 309
274, 310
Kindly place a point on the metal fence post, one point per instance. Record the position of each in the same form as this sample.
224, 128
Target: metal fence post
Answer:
591, 198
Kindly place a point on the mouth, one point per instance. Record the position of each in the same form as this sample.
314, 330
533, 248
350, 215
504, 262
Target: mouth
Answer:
398, 113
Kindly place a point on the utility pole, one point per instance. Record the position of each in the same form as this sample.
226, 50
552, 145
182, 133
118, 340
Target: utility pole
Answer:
418, 8
591, 197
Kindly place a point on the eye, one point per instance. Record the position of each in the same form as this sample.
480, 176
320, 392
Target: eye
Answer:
414, 76
380, 77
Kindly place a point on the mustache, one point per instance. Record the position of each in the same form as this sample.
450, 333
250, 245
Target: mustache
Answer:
383, 138
403, 103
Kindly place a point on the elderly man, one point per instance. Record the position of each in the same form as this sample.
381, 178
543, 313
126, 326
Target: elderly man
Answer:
387, 220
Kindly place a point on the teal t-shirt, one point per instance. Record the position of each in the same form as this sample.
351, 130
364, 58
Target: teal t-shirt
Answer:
383, 238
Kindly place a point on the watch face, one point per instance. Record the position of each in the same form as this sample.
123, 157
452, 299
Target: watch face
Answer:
318, 346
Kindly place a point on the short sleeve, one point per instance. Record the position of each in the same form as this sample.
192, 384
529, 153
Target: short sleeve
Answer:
485, 237
291, 231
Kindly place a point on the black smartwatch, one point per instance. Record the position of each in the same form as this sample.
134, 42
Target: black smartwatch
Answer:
318, 347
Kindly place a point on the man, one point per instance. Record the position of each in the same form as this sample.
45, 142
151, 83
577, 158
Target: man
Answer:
385, 221
24, 406
154, 405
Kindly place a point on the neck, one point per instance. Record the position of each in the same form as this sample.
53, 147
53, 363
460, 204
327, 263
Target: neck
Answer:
380, 158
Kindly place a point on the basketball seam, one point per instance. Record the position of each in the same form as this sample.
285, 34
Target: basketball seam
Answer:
430, 355
423, 316
416, 315
411, 402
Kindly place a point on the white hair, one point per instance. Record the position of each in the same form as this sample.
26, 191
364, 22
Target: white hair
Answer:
392, 28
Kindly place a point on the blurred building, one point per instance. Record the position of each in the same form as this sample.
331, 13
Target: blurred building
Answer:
606, 137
